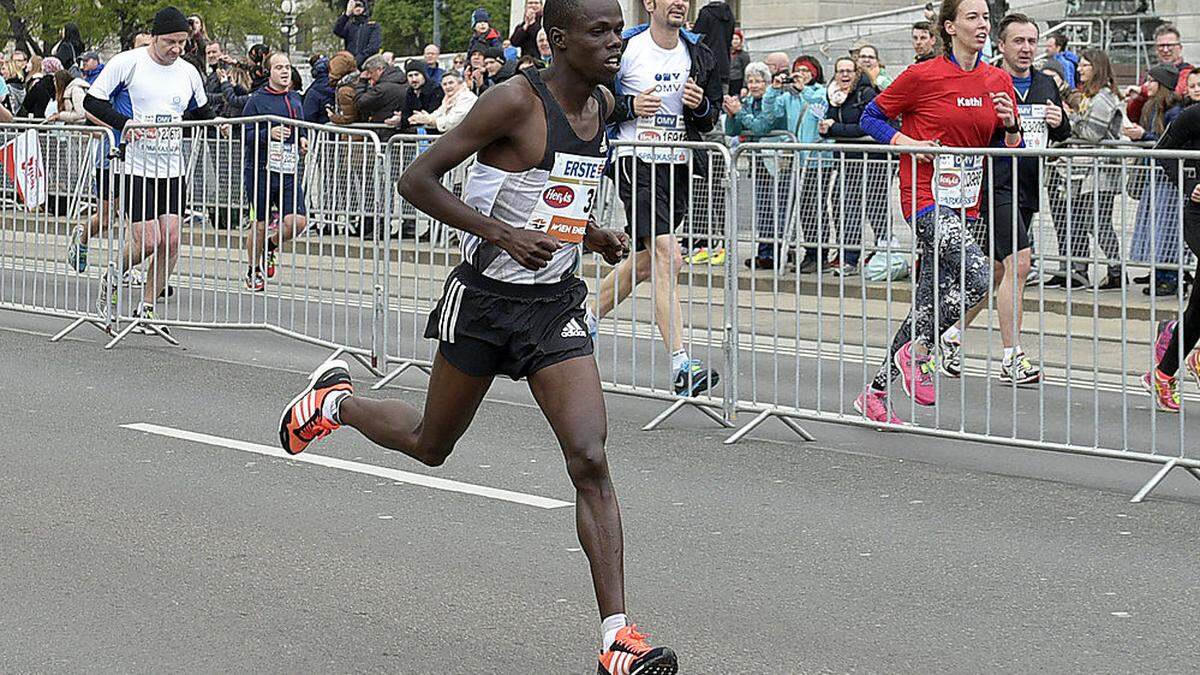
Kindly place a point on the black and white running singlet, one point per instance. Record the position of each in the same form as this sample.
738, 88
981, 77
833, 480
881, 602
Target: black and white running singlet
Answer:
556, 196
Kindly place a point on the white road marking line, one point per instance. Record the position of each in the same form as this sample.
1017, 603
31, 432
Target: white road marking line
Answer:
355, 467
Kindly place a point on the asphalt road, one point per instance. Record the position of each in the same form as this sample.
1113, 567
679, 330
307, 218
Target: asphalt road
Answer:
861, 552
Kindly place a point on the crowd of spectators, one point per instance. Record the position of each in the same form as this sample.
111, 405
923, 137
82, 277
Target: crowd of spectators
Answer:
776, 94
788, 96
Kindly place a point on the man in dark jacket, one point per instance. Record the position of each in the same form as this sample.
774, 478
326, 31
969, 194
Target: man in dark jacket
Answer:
272, 170
1005, 222
715, 26
667, 89
361, 36
524, 36
386, 87
320, 93
422, 96
483, 37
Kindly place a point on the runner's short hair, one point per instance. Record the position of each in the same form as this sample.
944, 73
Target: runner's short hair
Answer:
559, 14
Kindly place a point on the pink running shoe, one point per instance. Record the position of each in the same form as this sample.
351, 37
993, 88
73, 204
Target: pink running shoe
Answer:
873, 405
1164, 340
1165, 390
917, 375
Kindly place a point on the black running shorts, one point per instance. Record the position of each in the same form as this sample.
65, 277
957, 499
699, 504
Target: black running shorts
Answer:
146, 199
1000, 234
487, 327
655, 196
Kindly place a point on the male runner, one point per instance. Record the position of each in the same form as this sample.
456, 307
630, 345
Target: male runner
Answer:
272, 171
150, 86
675, 96
514, 307
1042, 120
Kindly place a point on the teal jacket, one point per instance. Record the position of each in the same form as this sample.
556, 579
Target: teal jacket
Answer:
803, 110
756, 119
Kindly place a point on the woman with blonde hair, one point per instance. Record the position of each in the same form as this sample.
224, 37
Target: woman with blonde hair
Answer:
863, 180
872, 66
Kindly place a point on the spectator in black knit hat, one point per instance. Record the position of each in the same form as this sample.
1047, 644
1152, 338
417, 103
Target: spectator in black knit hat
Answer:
420, 97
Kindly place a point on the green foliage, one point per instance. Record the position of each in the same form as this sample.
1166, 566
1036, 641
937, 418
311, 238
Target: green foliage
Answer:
408, 24
99, 19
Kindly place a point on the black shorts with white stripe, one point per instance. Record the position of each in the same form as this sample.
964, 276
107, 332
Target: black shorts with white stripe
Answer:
487, 327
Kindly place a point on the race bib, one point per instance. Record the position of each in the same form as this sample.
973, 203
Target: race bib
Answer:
159, 141
1033, 125
662, 128
566, 201
282, 157
956, 180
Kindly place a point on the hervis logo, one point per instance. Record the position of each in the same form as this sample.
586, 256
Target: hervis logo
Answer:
558, 197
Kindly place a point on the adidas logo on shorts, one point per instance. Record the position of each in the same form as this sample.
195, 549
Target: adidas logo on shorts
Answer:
573, 330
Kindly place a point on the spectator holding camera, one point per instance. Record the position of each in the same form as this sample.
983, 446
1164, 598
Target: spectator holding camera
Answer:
195, 50
361, 36
801, 99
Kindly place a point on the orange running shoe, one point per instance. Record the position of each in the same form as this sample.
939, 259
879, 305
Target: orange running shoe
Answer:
630, 654
303, 420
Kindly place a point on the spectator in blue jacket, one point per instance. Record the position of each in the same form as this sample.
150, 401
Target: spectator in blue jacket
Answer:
752, 118
801, 99
320, 93
433, 71
90, 65
1056, 48
361, 36
272, 170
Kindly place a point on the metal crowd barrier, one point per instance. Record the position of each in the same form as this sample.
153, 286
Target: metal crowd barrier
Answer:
817, 340
790, 339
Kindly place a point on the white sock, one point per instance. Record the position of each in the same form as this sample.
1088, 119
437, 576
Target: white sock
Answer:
609, 628
951, 334
1008, 353
331, 407
678, 359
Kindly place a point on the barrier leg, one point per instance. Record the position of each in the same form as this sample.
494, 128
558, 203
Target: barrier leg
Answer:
390, 377
365, 361
100, 325
145, 326
680, 405
763, 417
1153, 482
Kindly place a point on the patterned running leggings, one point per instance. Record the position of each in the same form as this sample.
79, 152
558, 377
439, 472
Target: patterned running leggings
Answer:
950, 252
